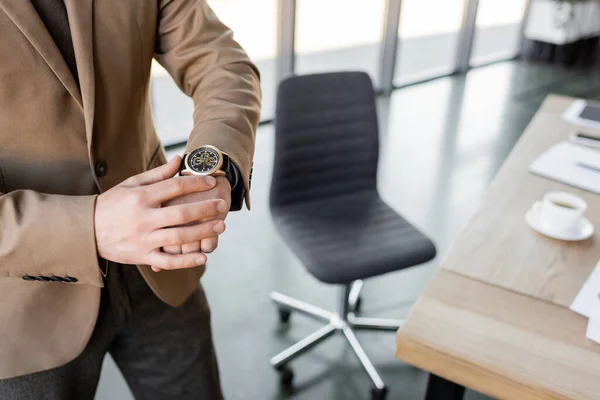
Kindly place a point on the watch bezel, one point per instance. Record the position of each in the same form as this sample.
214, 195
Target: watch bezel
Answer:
218, 167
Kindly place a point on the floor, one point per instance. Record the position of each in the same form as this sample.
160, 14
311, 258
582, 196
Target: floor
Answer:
442, 142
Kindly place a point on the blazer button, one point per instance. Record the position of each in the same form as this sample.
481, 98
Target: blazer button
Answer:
28, 278
69, 279
101, 168
42, 278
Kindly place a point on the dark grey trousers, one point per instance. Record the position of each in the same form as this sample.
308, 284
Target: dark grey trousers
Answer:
163, 352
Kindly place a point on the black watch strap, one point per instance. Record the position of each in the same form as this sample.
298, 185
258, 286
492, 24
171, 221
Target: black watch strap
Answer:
182, 165
238, 190
229, 169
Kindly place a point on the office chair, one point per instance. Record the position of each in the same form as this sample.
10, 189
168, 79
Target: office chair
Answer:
324, 203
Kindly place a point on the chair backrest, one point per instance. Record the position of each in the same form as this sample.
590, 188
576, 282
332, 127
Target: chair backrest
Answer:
326, 138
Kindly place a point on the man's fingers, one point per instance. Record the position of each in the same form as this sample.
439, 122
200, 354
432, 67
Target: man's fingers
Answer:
187, 213
187, 234
172, 249
185, 249
191, 247
161, 192
154, 175
159, 260
209, 245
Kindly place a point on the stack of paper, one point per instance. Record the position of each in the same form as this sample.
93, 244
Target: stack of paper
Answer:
571, 164
587, 303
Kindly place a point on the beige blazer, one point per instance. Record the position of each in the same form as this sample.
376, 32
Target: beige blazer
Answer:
52, 135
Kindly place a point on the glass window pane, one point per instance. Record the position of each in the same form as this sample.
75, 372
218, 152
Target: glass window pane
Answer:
334, 35
498, 30
173, 110
428, 38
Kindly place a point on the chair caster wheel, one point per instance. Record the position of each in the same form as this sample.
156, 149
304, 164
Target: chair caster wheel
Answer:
284, 316
378, 394
358, 305
286, 375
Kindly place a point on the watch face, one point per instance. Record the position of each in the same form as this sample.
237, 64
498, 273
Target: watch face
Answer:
204, 160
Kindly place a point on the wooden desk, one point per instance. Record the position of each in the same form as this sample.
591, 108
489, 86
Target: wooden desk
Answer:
495, 317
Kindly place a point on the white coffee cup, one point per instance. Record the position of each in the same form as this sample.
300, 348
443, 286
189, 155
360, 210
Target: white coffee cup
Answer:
560, 210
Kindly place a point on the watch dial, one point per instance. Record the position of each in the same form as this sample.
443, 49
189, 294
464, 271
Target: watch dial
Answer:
203, 160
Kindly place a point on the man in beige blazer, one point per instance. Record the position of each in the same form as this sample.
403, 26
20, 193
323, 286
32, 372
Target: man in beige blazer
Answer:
102, 243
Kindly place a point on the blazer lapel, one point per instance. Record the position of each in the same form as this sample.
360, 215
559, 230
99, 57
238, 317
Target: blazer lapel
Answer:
26, 18
80, 14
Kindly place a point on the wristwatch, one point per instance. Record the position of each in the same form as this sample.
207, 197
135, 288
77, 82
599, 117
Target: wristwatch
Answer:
208, 160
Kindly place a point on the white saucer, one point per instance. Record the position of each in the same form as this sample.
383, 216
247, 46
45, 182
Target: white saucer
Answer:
582, 231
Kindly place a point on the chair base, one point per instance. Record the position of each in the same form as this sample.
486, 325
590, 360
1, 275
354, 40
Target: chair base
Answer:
344, 321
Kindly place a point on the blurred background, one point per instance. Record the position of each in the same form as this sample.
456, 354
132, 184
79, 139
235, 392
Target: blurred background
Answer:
333, 35
457, 83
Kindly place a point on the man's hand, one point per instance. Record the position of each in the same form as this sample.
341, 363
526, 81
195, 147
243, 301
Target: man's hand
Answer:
222, 191
132, 227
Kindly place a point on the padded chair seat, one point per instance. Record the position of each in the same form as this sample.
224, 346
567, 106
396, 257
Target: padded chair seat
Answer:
336, 248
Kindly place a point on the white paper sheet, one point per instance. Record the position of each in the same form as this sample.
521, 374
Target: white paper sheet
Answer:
593, 330
563, 162
587, 301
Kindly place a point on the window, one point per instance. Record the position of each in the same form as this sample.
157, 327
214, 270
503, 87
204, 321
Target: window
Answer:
428, 38
498, 31
335, 35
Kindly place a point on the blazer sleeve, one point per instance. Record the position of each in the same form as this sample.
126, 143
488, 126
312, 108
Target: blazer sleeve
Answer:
207, 64
48, 236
